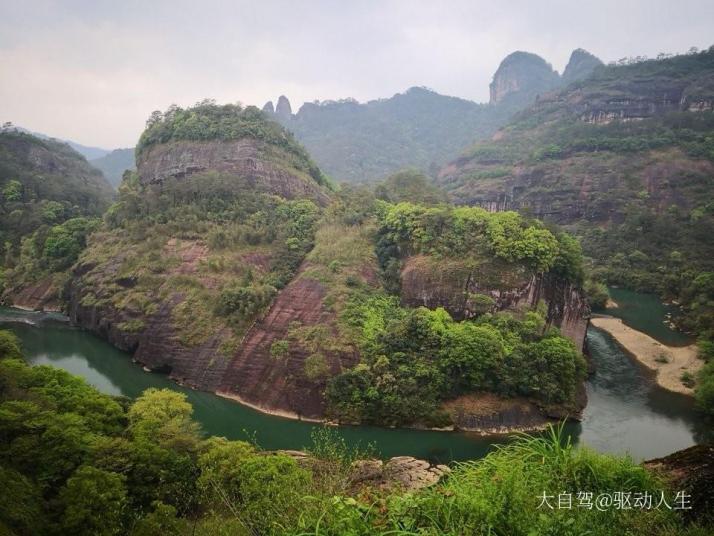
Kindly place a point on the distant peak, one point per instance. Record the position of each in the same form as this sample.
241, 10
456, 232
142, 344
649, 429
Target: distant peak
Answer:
283, 109
268, 107
581, 65
521, 76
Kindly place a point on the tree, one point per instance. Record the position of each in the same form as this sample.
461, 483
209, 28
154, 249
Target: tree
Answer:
9, 345
93, 503
12, 192
163, 417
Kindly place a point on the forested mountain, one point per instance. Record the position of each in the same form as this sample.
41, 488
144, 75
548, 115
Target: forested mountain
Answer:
626, 158
50, 200
230, 262
114, 164
419, 128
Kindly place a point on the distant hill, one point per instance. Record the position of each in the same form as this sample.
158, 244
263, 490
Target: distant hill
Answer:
364, 142
419, 128
114, 164
50, 200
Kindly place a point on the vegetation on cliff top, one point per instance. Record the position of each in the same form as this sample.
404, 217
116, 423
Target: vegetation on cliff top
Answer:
412, 359
208, 121
75, 461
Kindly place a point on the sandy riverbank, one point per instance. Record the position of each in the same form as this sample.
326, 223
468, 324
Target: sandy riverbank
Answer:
651, 352
269, 411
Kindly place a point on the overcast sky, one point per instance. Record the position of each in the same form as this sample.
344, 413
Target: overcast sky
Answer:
92, 71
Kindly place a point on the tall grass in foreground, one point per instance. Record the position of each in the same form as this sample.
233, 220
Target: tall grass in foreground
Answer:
500, 495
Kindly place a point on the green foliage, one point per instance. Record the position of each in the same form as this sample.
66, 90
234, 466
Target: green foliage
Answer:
420, 357
705, 388
316, 367
410, 186
473, 232
42, 183
93, 503
245, 302
279, 349
9, 345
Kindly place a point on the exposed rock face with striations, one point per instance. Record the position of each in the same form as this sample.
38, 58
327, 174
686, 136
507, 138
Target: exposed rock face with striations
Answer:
617, 137
279, 384
241, 157
455, 286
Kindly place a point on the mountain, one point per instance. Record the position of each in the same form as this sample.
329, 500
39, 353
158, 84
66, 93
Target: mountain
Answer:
581, 65
520, 78
50, 199
419, 128
229, 262
356, 142
114, 164
626, 158
86, 151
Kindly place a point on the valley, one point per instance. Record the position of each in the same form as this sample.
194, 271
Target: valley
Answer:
404, 316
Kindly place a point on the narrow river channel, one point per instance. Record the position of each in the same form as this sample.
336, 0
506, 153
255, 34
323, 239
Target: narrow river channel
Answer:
626, 411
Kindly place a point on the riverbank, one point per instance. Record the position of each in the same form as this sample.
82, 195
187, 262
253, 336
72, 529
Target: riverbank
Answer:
502, 421
668, 362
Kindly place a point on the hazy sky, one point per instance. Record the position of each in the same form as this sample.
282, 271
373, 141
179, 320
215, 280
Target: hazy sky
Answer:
92, 71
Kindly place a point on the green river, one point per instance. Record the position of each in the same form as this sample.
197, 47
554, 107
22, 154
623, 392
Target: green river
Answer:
626, 412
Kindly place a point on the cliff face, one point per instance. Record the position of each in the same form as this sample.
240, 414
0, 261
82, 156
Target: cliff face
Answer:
456, 287
279, 383
243, 158
627, 134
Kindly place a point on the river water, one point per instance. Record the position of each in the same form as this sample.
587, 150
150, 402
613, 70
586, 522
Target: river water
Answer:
626, 411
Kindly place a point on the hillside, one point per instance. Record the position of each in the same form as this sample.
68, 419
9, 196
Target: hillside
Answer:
114, 164
50, 200
356, 142
230, 264
626, 158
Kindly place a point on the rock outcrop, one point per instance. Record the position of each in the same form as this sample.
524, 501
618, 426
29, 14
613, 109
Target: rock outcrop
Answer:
283, 108
404, 472
581, 65
457, 287
690, 471
243, 158
520, 77
279, 384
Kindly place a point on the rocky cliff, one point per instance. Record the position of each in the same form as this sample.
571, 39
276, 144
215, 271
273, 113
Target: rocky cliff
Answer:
628, 134
458, 288
258, 166
283, 109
